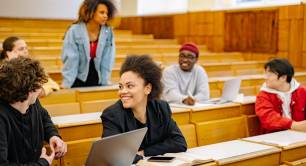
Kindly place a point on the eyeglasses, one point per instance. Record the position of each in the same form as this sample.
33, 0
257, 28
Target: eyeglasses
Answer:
187, 56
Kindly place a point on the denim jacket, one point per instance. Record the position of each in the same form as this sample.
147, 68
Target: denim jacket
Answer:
76, 54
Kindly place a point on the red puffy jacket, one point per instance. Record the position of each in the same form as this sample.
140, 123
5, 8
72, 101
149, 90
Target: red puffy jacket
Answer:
268, 108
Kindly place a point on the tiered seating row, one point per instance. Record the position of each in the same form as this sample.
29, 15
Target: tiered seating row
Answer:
96, 98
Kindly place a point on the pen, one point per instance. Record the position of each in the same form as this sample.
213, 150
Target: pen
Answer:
190, 95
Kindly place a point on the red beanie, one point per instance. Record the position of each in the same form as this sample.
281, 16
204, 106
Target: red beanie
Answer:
190, 47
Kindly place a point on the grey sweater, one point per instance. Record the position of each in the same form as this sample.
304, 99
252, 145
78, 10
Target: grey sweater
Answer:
178, 83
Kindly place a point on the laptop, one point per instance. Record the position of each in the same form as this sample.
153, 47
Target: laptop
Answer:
116, 150
230, 91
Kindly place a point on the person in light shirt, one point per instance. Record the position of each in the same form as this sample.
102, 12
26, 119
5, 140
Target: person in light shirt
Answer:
186, 82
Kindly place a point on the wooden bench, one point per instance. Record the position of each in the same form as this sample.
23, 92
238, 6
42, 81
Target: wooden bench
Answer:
96, 105
63, 109
189, 132
61, 96
221, 130
78, 151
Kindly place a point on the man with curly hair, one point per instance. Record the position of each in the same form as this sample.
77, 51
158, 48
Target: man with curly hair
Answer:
24, 123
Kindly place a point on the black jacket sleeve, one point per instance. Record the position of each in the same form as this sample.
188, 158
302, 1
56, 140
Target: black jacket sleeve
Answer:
110, 127
49, 128
174, 141
4, 149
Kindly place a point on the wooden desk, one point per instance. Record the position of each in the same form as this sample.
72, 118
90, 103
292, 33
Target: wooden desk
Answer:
96, 105
61, 96
292, 143
181, 115
97, 93
77, 152
79, 126
248, 108
88, 125
215, 112
248, 105
239, 153
63, 109
175, 162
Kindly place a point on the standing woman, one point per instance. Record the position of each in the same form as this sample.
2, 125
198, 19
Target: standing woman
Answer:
89, 50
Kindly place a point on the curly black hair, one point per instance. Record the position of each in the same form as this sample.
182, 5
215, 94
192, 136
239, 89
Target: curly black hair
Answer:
280, 67
89, 7
18, 77
147, 69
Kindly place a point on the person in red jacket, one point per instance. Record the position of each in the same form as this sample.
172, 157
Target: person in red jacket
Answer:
281, 102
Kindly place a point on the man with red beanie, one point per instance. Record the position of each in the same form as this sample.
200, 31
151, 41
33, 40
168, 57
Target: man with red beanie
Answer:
186, 82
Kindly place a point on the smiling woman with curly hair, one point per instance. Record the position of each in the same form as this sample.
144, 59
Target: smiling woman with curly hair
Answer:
139, 106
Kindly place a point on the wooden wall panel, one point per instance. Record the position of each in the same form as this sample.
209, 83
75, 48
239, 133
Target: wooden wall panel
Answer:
238, 31
260, 33
283, 35
295, 42
291, 34
265, 28
304, 30
254, 31
200, 24
282, 54
181, 24
291, 12
304, 60
218, 43
283, 13
218, 23
296, 12
132, 23
160, 26
304, 40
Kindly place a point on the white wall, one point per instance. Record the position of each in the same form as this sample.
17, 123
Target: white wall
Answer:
52, 9
48, 9
200, 5
68, 9
157, 7
233, 4
128, 7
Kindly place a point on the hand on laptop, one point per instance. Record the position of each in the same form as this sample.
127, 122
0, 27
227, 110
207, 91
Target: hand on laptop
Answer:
189, 101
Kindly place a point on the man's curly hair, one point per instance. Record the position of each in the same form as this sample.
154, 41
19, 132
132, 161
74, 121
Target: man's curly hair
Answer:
18, 77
